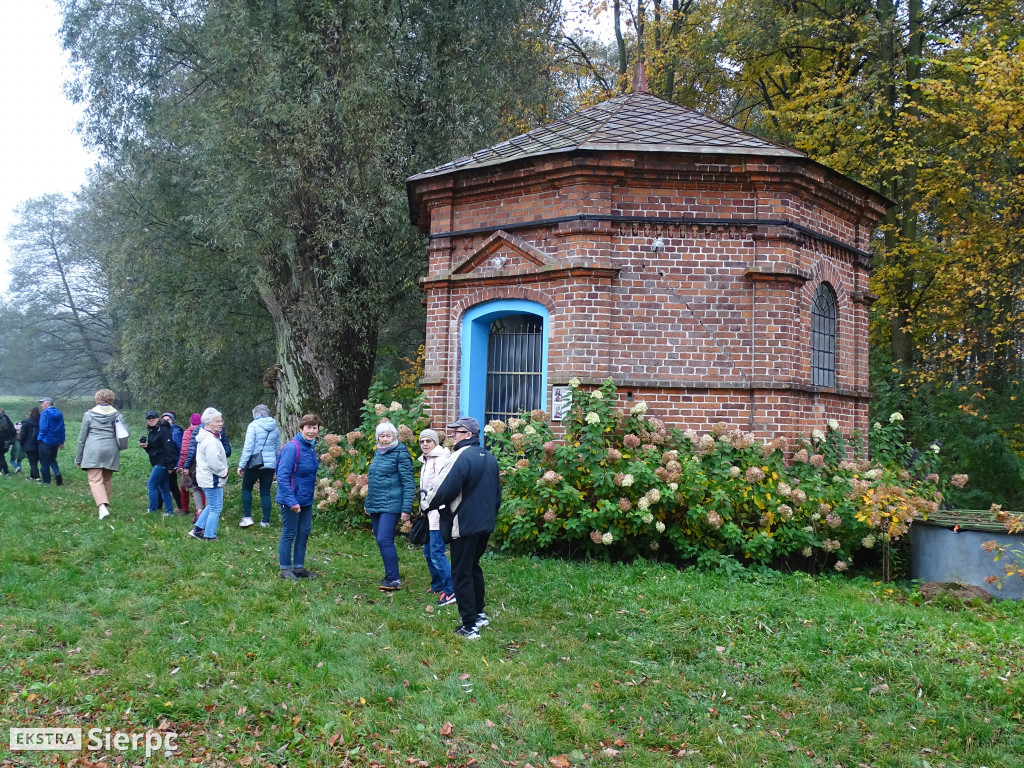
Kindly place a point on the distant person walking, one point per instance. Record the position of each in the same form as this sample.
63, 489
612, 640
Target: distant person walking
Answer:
257, 463
163, 456
434, 459
29, 439
17, 452
469, 497
7, 436
390, 495
98, 452
211, 473
297, 466
51, 439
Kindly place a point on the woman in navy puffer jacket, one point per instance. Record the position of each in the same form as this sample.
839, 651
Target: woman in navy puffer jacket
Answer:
297, 466
390, 495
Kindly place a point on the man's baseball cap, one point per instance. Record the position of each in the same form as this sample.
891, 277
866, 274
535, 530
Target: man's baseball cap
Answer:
46, 400
467, 422
152, 415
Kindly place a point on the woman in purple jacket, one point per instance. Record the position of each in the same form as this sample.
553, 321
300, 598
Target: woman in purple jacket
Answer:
297, 465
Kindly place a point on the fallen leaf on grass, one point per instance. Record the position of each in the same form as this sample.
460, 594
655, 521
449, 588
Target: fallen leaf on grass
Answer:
611, 752
335, 739
446, 729
559, 761
883, 688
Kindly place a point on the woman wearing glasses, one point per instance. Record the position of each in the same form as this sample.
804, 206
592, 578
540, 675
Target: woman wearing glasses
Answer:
390, 495
434, 460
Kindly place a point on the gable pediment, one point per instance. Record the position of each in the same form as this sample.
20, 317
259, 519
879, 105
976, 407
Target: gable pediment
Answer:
504, 252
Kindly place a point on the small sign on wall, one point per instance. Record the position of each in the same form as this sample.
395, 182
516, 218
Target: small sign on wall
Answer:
561, 399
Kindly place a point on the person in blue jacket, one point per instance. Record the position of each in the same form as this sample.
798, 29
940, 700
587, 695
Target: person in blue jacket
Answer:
390, 495
257, 462
51, 439
297, 465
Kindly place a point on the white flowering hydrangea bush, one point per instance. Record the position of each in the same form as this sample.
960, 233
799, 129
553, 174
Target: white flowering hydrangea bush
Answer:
622, 484
344, 459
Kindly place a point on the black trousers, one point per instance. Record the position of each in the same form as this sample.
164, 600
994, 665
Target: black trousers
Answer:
467, 578
33, 463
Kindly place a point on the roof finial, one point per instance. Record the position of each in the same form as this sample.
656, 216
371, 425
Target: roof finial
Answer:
640, 78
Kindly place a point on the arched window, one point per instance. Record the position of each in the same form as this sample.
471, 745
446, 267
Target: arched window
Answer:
515, 366
824, 313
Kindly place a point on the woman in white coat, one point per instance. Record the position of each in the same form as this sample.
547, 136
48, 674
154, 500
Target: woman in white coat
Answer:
211, 474
435, 459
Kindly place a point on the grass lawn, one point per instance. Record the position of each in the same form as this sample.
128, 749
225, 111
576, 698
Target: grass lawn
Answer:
129, 625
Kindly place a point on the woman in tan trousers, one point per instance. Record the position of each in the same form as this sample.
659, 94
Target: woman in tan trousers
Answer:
98, 451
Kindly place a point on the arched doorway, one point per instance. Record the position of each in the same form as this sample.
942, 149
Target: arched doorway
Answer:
504, 359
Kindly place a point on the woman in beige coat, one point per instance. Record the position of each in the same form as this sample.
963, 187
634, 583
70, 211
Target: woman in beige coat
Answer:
434, 459
98, 451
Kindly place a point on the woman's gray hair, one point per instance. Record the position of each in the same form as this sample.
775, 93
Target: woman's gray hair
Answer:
260, 411
385, 426
209, 415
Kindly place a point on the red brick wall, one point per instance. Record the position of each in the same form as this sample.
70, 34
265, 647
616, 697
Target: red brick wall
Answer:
715, 327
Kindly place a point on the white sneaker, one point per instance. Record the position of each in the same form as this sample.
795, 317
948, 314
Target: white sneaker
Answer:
104, 512
264, 525
246, 522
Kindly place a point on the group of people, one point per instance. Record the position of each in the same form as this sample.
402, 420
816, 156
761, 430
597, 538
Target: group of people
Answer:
36, 438
459, 492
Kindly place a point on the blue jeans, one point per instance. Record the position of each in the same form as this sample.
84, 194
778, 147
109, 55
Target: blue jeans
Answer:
159, 485
48, 459
384, 531
211, 512
438, 565
249, 478
295, 528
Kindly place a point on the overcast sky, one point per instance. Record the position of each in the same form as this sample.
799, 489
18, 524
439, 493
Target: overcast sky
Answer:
42, 154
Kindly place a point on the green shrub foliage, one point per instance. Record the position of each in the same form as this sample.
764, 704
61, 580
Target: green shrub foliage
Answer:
622, 484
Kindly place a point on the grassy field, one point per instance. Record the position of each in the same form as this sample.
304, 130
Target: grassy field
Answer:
129, 625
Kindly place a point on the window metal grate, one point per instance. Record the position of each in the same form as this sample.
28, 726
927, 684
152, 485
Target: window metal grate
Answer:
514, 359
823, 337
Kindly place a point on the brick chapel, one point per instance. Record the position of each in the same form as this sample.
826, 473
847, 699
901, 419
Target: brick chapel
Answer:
710, 273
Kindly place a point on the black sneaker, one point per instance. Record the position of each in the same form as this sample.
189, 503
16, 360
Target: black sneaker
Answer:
288, 573
390, 586
467, 633
302, 573
59, 479
196, 533
445, 599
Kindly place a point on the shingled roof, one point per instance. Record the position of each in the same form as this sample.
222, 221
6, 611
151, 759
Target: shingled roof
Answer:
637, 122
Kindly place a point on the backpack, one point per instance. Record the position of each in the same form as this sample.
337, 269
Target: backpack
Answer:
7, 430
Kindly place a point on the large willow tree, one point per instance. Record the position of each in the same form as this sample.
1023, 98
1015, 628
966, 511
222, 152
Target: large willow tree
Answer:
285, 129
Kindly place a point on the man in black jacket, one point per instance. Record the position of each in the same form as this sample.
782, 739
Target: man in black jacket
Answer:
469, 497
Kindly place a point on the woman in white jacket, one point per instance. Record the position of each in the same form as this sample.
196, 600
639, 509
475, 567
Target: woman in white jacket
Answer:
435, 459
211, 474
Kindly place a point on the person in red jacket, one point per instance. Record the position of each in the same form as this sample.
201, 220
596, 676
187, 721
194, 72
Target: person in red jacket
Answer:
188, 478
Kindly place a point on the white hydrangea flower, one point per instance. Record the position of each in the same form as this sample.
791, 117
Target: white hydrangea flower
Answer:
529, 430
653, 495
934, 448
833, 425
395, 406
648, 518
659, 526
643, 504
877, 425
593, 418
807, 551
817, 436
674, 486
574, 382
639, 409
597, 394
872, 474
897, 416
868, 541
488, 429
607, 539
734, 471
627, 481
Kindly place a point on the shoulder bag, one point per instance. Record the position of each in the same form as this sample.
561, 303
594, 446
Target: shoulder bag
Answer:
121, 433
